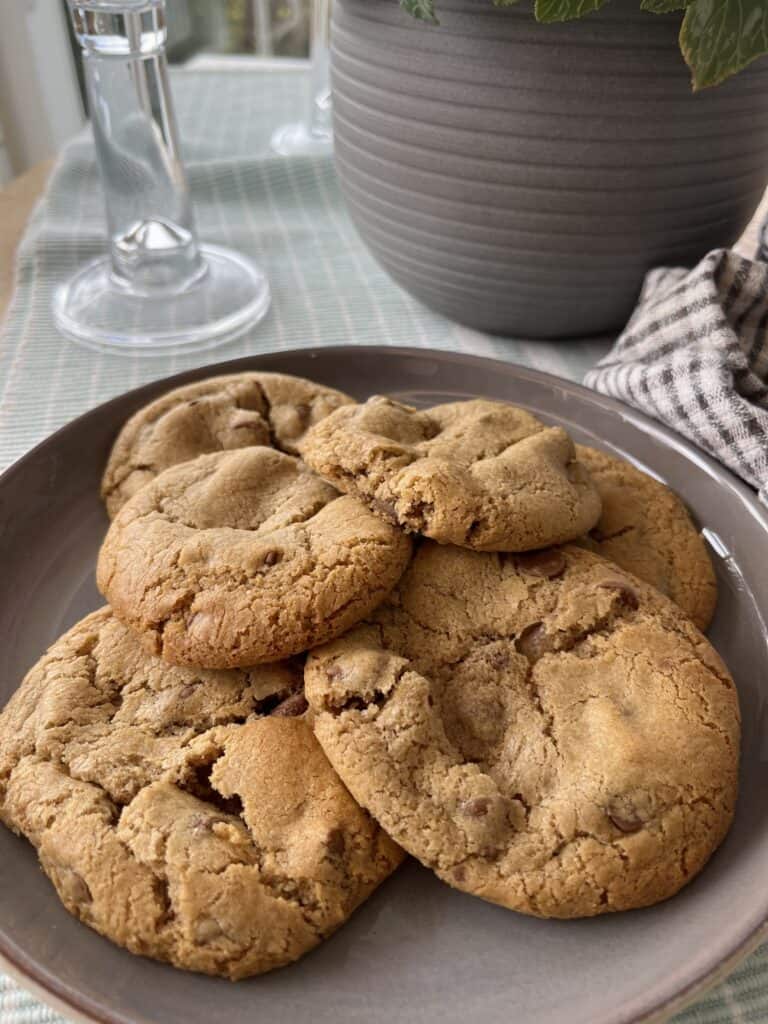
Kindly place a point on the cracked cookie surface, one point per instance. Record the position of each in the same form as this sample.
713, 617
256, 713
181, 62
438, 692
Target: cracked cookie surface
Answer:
243, 557
543, 730
479, 474
187, 815
218, 414
647, 530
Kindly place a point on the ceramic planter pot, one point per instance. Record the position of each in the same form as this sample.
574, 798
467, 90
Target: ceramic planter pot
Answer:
521, 178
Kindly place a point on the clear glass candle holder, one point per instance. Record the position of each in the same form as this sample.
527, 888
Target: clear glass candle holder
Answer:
314, 133
158, 288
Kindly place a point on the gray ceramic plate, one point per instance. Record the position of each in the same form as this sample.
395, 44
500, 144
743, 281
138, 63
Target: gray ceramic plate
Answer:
418, 952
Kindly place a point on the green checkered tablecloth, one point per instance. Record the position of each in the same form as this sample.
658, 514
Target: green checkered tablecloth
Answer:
327, 290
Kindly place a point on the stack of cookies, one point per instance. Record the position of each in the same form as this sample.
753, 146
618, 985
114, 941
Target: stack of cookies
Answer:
338, 633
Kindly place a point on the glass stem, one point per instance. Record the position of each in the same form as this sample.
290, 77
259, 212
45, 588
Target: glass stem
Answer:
153, 242
319, 96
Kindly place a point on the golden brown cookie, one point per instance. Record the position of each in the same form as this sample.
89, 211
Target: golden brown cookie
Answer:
647, 530
544, 730
213, 415
242, 557
187, 815
483, 475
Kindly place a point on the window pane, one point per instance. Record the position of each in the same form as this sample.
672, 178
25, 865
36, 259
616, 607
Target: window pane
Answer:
269, 28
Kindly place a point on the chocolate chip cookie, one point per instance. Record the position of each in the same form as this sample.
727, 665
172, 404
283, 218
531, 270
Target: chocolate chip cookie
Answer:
186, 815
479, 474
218, 414
544, 730
242, 557
647, 530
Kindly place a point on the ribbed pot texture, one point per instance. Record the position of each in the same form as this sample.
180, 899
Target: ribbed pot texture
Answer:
521, 178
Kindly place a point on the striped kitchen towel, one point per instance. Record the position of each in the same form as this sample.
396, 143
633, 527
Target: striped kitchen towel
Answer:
695, 356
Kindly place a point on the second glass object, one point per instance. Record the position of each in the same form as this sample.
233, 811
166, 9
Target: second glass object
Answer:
314, 133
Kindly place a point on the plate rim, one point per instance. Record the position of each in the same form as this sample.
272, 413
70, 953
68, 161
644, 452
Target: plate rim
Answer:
62, 999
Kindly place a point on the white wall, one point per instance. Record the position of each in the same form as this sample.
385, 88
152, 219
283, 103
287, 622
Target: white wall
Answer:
40, 105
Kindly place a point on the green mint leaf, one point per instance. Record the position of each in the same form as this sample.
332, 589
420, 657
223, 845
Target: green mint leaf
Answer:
720, 37
664, 6
424, 10
564, 10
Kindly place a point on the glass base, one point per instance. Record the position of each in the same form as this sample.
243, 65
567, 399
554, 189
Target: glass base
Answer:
230, 296
298, 140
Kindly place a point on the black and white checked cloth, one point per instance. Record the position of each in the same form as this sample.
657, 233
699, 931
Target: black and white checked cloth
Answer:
695, 356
